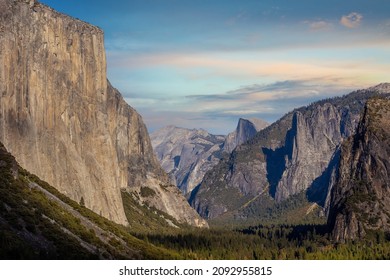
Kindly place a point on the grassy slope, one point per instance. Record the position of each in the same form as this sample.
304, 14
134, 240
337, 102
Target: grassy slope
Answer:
38, 222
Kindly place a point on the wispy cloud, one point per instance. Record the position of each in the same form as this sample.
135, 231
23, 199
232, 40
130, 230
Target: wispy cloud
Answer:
290, 89
319, 25
352, 20
220, 112
256, 65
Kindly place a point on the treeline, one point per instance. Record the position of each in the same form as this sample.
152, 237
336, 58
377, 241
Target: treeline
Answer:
271, 242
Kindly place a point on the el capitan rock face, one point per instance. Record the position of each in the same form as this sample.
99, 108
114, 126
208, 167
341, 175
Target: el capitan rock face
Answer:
360, 200
62, 120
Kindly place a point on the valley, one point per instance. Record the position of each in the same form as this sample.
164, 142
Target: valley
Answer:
82, 178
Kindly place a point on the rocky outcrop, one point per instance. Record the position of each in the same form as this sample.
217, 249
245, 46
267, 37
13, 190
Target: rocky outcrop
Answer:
360, 199
299, 153
62, 120
310, 144
245, 130
186, 154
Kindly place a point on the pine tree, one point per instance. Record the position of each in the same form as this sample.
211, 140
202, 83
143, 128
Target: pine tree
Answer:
82, 203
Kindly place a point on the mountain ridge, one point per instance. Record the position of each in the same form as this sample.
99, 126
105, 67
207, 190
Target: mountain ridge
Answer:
187, 154
278, 161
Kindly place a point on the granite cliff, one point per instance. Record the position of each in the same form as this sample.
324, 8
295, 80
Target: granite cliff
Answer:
299, 154
246, 129
187, 154
360, 199
62, 119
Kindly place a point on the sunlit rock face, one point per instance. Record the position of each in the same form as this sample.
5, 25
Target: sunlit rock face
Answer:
297, 154
246, 129
63, 121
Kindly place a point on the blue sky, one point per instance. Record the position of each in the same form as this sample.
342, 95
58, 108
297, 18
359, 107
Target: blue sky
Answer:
204, 64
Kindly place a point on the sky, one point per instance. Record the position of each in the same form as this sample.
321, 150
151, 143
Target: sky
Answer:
204, 64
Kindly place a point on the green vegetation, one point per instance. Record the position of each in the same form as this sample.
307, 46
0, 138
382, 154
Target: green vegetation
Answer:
145, 219
32, 226
82, 203
147, 192
294, 211
273, 242
35, 226
27, 221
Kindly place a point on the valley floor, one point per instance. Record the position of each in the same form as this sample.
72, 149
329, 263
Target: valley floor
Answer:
274, 242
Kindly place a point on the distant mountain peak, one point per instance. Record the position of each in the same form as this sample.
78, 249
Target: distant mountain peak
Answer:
186, 154
246, 129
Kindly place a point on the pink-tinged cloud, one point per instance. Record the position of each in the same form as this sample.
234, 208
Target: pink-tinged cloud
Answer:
355, 72
352, 20
318, 25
